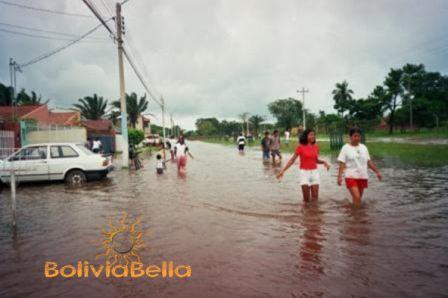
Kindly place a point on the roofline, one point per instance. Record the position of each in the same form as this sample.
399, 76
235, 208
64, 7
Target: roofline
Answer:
41, 106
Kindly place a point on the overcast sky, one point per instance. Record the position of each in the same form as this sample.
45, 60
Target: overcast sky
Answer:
223, 58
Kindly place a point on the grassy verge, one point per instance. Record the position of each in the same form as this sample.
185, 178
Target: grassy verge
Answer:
411, 154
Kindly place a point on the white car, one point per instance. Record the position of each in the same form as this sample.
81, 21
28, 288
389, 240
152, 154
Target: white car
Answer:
71, 162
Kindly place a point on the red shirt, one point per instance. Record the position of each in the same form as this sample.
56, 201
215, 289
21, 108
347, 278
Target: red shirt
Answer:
308, 156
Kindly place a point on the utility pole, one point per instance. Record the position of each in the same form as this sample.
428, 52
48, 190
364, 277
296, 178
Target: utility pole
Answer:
303, 91
410, 113
163, 126
13, 68
124, 115
172, 124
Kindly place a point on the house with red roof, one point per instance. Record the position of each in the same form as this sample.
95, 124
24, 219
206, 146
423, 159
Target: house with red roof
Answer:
10, 118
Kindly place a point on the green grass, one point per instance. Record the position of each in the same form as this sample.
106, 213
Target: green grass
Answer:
410, 154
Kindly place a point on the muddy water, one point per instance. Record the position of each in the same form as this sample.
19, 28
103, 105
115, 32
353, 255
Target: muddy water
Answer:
243, 233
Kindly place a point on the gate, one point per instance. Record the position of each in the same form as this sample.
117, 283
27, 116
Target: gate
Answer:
6, 143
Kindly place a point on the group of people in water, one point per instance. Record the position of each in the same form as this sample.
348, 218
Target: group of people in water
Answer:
178, 152
354, 161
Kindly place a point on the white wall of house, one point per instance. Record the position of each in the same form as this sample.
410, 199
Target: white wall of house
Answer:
73, 135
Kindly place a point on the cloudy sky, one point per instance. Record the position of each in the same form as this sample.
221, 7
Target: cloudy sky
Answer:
223, 58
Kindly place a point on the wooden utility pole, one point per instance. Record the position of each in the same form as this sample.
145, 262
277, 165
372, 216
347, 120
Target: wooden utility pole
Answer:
303, 91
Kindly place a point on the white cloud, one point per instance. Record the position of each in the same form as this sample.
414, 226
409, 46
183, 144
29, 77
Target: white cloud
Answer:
222, 58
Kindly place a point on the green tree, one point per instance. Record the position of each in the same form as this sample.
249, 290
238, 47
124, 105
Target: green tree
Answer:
394, 88
342, 96
5, 95
256, 121
91, 107
288, 112
134, 106
135, 136
207, 126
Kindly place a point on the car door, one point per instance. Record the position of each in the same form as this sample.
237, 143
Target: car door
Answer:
30, 163
61, 158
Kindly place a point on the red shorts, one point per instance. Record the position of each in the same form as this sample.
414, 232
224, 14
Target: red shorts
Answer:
360, 183
181, 161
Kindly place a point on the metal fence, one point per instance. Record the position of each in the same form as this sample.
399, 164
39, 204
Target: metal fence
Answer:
6, 143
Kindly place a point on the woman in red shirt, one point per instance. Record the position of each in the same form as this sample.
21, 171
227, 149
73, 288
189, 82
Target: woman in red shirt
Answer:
309, 158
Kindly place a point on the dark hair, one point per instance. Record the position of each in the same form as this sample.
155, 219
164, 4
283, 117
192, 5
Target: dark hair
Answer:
303, 139
266, 133
275, 131
354, 130
159, 156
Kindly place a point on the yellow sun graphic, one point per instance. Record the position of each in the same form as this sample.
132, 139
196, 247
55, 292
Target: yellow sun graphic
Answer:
122, 242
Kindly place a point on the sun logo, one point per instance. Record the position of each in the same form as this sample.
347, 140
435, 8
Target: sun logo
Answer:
122, 242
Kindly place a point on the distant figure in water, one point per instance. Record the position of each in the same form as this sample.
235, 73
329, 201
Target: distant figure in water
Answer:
354, 159
287, 136
309, 158
172, 142
241, 141
181, 154
274, 146
265, 142
160, 165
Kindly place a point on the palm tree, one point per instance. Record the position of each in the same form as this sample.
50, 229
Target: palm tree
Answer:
256, 121
24, 99
91, 107
244, 117
342, 96
134, 107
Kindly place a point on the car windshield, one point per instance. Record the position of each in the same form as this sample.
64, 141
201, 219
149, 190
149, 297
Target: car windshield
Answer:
84, 149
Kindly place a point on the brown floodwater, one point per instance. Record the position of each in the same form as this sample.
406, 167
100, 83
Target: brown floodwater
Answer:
243, 233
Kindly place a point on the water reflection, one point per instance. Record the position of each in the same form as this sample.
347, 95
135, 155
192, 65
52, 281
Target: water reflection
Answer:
312, 241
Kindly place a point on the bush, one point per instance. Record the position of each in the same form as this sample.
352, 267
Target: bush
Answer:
135, 136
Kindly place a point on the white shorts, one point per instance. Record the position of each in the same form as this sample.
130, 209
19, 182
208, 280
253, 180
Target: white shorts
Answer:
309, 177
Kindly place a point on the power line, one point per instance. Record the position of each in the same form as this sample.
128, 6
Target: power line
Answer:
136, 54
98, 16
108, 7
45, 9
41, 36
46, 31
140, 77
44, 56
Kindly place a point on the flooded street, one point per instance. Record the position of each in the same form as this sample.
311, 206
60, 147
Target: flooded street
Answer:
243, 233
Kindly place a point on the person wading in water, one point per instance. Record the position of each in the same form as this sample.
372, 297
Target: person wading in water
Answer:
308, 152
354, 160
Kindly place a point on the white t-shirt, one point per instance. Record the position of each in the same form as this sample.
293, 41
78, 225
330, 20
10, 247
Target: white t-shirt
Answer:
96, 144
355, 159
172, 143
287, 135
241, 140
159, 164
181, 149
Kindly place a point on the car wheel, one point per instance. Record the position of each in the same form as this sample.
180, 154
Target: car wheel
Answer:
75, 178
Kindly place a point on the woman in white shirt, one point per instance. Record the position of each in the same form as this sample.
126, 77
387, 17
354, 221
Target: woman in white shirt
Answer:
354, 160
181, 154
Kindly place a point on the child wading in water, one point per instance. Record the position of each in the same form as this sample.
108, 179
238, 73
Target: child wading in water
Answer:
160, 165
354, 159
309, 158
181, 150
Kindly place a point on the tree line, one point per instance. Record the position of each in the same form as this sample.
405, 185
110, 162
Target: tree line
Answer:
410, 97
